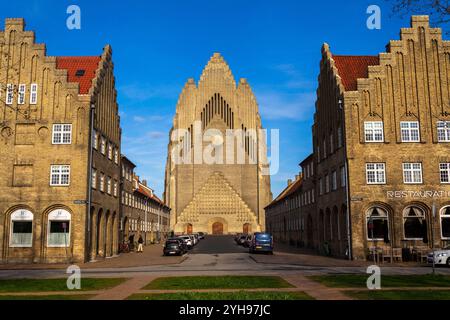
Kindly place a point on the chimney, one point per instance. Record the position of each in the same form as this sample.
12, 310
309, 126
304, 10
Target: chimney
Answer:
289, 182
144, 182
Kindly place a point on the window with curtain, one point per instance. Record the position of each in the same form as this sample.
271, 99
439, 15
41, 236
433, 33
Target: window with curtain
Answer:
21, 229
59, 228
414, 223
445, 222
377, 224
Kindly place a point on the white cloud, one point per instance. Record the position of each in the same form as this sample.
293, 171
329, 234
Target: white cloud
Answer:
291, 106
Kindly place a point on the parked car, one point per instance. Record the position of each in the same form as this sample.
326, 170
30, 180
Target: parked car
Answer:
196, 237
188, 241
441, 257
184, 245
201, 235
242, 239
194, 240
261, 242
247, 241
236, 237
173, 247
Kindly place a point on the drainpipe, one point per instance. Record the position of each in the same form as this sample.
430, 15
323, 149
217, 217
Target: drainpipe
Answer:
347, 190
89, 193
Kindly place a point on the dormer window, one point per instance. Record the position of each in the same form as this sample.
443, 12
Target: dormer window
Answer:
80, 72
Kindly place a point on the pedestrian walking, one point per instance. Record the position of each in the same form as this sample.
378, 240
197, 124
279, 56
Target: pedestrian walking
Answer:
140, 244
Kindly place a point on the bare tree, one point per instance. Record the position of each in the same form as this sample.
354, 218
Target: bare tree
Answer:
438, 10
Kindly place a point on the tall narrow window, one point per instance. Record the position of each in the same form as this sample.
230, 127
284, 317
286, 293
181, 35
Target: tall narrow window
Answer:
320, 186
115, 188
103, 145
94, 178
334, 180
373, 131
443, 131
343, 177
116, 155
331, 143
21, 96
412, 173
444, 172
414, 223
110, 151
377, 224
62, 134
21, 229
375, 173
327, 183
445, 223
59, 228
108, 185
60, 175
102, 182
410, 131
340, 138
33, 93
95, 140
9, 93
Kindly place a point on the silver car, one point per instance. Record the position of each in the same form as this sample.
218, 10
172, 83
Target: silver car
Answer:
441, 257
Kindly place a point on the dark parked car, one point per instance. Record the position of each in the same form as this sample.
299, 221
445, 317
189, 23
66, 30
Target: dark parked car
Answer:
247, 241
174, 247
261, 242
201, 235
242, 238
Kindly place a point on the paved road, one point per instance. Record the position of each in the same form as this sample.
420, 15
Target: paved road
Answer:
218, 245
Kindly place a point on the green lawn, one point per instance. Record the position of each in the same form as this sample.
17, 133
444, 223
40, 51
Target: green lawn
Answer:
241, 295
359, 281
217, 282
44, 285
49, 297
400, 294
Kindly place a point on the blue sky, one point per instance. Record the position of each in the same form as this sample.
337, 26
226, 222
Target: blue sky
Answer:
158, 45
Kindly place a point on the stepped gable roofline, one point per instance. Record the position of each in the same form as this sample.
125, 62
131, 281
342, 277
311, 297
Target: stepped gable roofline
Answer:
217, 62
81, 69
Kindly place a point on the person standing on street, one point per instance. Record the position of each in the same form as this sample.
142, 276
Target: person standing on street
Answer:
140, 244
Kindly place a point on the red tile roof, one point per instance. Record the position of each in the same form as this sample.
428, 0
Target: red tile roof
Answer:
353, 67
290, 189
149, 195
73, 64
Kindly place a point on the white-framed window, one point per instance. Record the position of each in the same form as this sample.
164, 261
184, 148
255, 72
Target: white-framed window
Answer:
443, 131
9, 93
373, 131
33, 93
95, 139
410, 131
102, 182
445, 223
94, 179
334, 180
375, 173
377, 224
116, 155
62, 134
21, 95
21, 235
414, 225
103, 145
110, 151
444, 169
412, 172
108, 185
59, 228
115, 188
60, 175
343, 177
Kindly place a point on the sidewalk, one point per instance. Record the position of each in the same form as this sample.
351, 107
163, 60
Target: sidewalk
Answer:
151, 256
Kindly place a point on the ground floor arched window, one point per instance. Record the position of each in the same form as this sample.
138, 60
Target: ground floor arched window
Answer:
445, 222
21, 229
414, 224
377, 224
59, 228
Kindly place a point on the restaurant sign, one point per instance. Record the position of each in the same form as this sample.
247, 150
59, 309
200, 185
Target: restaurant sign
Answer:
429, 194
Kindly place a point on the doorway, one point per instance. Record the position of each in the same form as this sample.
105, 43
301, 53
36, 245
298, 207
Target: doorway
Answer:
217, 228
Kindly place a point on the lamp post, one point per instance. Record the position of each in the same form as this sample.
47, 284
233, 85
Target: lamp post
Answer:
433, 210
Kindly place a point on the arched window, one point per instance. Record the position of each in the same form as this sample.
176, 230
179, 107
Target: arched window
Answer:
445, 222
377, 224
21, 229
59, 228
414, 223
